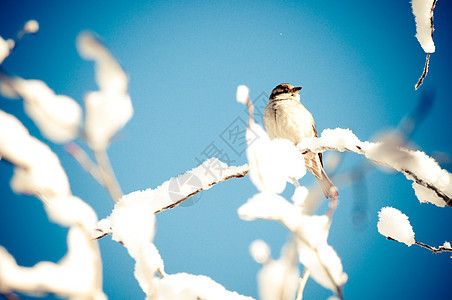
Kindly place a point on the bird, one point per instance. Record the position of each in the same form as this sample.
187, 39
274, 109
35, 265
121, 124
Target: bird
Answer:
285, 117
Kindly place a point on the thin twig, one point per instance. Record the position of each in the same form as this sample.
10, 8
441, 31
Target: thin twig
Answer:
295, 182
108, 175
302, 283
250, 112
10, 296
424, 73
85, 162
332, 208
440, 249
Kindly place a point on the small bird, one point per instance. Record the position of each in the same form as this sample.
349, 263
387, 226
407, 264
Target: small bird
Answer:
285, 117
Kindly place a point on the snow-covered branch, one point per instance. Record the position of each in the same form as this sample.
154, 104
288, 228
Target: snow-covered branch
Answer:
441, 249
76, 276
132, 223
423, 14
37, 171
177, 189
7, 46
430, 182
107, 110
110, 108
57, 116
395, 226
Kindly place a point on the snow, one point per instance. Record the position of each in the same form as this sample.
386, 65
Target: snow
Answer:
132, 223
57, 116
109, 109
4, 50
394, 224
110, 77
148, 262
32, 26
69, 211
37, 169
242, 94
270, 206
312, 230
106, 114
300, 195
426, 195
103, 227
279, 279
311, 233
272, 162
324, 264
423, 14
183, 286
76, 276
338, 139
260, 251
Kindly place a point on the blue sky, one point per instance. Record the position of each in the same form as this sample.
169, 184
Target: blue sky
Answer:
357, 62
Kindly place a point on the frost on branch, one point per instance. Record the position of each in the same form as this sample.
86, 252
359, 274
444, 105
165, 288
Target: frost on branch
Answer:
76, 276
110, 108
426, 195
394, 224
423, 14
57, 116
177, 189
415, 165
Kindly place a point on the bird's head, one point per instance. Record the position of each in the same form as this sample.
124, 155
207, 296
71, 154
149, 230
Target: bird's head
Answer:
285, 91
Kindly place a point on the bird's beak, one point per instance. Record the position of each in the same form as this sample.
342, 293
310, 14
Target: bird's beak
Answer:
297, 89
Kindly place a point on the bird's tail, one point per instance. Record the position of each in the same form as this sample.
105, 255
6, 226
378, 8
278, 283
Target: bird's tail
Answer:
327, 186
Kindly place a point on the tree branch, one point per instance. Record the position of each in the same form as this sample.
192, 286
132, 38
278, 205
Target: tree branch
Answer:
85, 162
238, 175
302, 283
108, 175
415, 165
424, 73
440, 249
